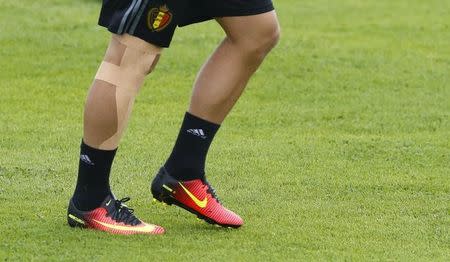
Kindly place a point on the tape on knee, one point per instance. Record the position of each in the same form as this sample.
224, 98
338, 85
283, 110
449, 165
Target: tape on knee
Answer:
120, 77
138, 58
137, 44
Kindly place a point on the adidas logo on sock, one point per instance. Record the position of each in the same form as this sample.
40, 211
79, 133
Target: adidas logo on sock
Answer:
197, 132
86, 159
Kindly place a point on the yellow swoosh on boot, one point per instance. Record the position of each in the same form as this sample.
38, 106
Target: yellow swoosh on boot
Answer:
145, 229
198, 202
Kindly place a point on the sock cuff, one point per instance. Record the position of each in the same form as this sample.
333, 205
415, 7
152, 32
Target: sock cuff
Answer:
200, 121
97, 155
95, 150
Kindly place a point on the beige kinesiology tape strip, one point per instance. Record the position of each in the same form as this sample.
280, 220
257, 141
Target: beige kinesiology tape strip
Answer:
138, 44
120, 77
138, 60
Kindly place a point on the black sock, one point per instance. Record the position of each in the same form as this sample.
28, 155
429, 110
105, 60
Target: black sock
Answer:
93, 177
187, 161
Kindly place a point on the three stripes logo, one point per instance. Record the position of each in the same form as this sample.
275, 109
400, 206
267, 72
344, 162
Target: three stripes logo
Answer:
197, 132
86, 159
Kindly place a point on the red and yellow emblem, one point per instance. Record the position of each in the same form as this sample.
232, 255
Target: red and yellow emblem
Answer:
159, 18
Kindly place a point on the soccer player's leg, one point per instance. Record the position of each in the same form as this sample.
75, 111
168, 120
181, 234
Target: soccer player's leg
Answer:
249, 39
127, 61
221, 81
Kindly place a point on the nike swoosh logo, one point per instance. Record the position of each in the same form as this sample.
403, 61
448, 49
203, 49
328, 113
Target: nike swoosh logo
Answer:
109, 202
147, 228
198, 202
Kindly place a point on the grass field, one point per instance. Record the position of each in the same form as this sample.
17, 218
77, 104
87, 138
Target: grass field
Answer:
338, 150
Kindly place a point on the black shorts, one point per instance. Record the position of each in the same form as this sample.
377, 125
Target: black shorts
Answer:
155, 20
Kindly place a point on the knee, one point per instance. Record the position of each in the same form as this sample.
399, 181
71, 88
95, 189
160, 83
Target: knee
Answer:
271, 38
262, 41
127, 61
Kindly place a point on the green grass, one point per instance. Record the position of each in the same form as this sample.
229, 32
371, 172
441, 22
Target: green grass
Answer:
338, 150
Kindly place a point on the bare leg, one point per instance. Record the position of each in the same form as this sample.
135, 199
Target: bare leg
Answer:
224, 76
107, 110
108, 107
217, 88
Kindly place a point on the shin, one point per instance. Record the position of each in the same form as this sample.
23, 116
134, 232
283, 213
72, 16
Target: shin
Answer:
121, 74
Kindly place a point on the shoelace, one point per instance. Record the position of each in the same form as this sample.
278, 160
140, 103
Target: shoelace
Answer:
122, 213
211, 191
